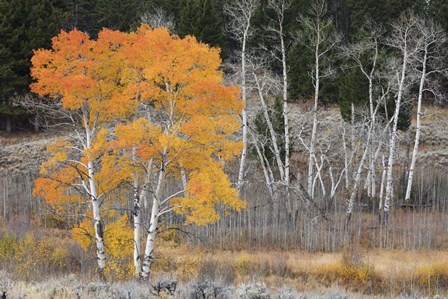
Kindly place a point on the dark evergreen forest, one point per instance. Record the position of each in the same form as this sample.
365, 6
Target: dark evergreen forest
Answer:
30, 24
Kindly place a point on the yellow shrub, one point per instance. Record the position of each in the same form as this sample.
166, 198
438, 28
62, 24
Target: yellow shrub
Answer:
246, 264
188, 266
7, 246
59, 257
433, 275
119, 269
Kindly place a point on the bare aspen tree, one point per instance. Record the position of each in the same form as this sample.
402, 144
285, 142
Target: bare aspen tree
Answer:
404, 38
428, 61
367, 47
267, 171
350, 202
279, 7
383, 180
240, 13
264, 83
318, 36
49, 115
323, 159
158, 18
372, 34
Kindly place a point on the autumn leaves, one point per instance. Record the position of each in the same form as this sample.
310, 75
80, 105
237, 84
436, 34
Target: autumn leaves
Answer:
146, 107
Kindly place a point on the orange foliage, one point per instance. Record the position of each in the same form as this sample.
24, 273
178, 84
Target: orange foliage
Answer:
190, 121
193, 118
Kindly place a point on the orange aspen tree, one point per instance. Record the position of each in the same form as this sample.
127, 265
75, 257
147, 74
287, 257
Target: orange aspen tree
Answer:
185, 132
84, 75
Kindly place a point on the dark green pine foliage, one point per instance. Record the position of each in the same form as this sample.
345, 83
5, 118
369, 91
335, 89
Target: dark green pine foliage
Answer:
186, 24
301, 63
24, 25
203, 19
82, 15
353, 88
300, 60
118, 14
382, 12
438, 10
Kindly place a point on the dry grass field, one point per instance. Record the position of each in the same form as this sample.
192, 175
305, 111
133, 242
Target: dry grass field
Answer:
353, 273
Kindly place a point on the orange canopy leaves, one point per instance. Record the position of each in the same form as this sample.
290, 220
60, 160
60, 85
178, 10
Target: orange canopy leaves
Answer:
140, 96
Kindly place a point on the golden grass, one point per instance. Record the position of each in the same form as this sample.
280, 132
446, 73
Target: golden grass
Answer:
367, 271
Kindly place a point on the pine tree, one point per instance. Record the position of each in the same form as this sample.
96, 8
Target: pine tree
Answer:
204, 20
117, 14
187, 18
24, 25
80, 14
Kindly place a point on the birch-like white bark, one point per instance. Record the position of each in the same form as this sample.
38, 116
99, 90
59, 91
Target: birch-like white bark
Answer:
280, 6
267, 177
97, 223
272, 132
433, 39
315, 106
137, 225
417, 130
241, 13
148, 257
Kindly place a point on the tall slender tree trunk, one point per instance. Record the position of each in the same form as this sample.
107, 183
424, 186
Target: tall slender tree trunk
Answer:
244, 112
383, 180
285, 108
351, 200
148, 257
393, 140
267, 177
314, 129
418, 127
137, 225
97, 222
271, 129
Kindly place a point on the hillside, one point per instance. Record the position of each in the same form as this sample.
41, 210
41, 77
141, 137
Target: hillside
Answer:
25, 150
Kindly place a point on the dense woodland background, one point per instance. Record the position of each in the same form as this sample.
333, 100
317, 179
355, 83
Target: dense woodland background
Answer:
27, 25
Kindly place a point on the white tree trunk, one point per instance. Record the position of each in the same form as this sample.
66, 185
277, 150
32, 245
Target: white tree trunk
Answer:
383, 181
314, 130
137, 225
244, 112
393, 140
267, 177
184, 180
418, 127
97, 223
271, 128
351, 200
346, 174
148, 257
285, 107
